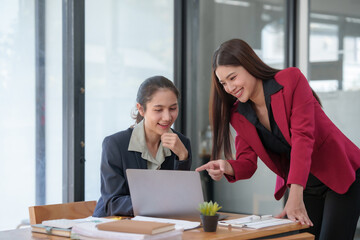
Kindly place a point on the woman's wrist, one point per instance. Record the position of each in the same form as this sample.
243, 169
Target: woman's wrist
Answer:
183, 156
296, 189
228, 169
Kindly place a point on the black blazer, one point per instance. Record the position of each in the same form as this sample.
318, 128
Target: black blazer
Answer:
115, 196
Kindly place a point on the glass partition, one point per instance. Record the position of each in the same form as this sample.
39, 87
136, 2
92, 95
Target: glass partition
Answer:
126, 42
262, 25
53, 102
17, 107
334, 63
31, 107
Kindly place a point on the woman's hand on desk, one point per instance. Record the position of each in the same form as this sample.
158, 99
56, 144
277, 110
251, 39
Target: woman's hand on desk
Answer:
173, 142
295, 207
217, 169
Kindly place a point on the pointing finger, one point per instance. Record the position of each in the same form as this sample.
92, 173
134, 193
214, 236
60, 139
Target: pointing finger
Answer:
201, 168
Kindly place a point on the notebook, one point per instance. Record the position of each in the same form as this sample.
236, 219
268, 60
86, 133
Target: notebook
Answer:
165, 193
139, 227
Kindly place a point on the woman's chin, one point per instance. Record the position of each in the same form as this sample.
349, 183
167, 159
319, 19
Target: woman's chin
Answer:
163, 129
242, 100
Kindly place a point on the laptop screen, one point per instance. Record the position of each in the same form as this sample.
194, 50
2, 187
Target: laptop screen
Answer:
165, 193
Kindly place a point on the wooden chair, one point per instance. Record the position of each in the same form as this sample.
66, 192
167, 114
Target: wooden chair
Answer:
71, 210
299, 236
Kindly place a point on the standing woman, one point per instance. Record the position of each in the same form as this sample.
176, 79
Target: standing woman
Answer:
278, 118
150, 144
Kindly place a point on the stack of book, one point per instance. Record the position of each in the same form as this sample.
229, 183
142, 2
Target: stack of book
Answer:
63, 227
40, 228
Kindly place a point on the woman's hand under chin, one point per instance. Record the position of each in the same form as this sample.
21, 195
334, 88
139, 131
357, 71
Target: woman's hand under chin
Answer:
173, 142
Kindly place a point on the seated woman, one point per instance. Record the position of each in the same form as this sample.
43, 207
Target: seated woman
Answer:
149, 144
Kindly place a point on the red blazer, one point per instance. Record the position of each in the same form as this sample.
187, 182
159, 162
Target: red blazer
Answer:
317, 145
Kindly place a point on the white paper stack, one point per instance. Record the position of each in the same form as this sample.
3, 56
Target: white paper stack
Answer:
255, 222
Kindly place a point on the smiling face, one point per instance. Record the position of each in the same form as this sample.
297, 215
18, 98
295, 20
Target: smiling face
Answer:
160, 112
238, 82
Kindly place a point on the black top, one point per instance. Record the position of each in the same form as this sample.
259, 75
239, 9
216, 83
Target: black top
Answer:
115, 194
273, 140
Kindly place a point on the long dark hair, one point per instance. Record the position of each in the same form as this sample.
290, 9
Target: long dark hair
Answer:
234, 52
147, 90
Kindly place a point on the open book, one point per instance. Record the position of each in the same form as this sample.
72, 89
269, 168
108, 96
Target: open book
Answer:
255, 222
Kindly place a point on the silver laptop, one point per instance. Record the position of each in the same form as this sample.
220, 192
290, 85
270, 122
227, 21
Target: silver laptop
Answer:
165, 193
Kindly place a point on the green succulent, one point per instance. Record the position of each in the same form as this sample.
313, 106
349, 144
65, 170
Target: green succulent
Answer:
209, 208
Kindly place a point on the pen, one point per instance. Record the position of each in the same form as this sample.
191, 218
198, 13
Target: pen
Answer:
119, 218
265, 217
244, 224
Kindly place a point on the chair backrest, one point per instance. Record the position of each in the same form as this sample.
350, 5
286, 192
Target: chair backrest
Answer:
71, 210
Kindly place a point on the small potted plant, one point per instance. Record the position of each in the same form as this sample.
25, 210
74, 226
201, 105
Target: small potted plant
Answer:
209, 216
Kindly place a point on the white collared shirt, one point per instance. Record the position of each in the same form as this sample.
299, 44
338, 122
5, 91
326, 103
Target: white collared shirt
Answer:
138, 144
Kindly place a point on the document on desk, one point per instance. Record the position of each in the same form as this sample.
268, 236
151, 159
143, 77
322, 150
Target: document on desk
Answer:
255, 222
186, 225
69, 223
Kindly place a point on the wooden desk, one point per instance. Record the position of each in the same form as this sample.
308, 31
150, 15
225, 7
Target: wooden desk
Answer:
25, 233
241, 233
194, 234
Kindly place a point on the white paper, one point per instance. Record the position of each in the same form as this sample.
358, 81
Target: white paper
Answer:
255, 222
186, 225
69, 223
268, 223
89, 230
239, 221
